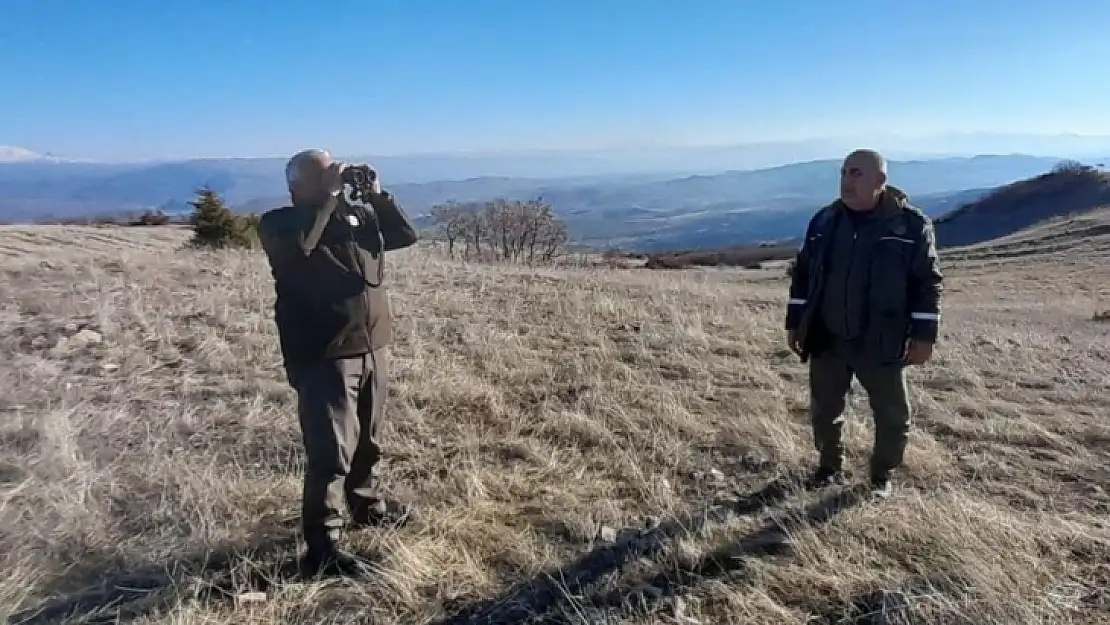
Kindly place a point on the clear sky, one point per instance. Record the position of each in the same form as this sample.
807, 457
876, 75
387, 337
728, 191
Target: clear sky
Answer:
160, 78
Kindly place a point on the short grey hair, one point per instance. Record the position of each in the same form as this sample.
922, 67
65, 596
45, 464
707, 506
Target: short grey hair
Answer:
296, 165
876, 158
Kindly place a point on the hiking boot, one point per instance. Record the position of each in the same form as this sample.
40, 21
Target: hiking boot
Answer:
382, 513
826, 476
332, 562
881, 487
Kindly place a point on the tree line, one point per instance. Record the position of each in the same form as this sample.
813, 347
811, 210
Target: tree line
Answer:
499, 230
514, 231
505, 230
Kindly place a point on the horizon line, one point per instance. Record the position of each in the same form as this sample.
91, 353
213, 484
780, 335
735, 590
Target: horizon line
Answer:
50, 156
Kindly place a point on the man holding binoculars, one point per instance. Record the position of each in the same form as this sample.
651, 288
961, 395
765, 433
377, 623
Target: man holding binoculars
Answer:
326, 255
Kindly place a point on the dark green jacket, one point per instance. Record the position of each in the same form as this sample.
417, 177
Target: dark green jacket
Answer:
327, 262
898, 295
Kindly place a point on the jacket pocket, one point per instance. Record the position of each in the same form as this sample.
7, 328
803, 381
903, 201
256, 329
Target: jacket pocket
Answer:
889, 295
890, 270
890, 337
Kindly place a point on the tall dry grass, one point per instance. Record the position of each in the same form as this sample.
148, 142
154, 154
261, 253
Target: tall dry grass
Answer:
584, 447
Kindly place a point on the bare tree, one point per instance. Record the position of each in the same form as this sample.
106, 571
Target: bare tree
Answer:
449, 219
1071, 166
503, 230
475, 232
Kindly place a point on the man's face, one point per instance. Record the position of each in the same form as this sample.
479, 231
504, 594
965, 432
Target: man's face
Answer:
861, 182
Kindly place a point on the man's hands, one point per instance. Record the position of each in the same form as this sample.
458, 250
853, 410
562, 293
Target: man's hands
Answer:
375, 181
332, 178
793, 342
918, 352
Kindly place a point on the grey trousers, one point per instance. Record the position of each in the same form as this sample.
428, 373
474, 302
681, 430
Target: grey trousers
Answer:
831, 376
341, 406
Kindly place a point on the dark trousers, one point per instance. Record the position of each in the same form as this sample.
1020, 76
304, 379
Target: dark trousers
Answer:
341, 406
831, 375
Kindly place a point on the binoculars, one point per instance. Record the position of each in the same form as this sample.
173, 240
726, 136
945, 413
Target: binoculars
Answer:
359, 176
361, 180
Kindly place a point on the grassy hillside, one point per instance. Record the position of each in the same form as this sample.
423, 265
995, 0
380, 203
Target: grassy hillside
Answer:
1059, 240
610, 446
1066, 190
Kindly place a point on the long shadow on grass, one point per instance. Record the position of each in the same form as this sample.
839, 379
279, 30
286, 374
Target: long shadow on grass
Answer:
551, 591
728, 563
211, 576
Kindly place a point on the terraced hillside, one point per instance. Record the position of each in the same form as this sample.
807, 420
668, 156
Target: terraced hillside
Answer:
586, 446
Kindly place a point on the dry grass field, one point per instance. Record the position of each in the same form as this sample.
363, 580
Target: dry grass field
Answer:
586, 446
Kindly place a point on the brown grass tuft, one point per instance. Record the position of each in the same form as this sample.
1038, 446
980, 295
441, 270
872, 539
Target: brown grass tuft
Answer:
586, 445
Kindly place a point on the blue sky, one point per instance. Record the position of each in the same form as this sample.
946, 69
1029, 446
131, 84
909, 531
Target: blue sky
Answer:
159, 78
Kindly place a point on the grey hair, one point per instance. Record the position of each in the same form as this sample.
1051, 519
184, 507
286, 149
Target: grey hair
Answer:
295, 167
874, 156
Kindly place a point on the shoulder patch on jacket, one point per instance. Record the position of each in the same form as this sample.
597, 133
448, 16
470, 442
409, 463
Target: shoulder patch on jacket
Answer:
899, 226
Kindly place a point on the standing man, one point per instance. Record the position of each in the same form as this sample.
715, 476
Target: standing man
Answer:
334, 326
865, 299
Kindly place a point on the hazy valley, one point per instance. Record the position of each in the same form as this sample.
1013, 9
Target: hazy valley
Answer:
645, 210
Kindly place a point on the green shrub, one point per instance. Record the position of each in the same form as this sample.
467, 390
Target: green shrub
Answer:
151, 218
214, 225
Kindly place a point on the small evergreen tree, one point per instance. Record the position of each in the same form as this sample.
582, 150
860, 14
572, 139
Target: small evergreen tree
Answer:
214, 225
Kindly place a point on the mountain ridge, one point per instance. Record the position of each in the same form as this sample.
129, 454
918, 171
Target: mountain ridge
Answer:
633, 211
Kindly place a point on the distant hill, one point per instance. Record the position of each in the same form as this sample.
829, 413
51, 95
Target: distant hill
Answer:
1084, 235
1068, 189
641, 212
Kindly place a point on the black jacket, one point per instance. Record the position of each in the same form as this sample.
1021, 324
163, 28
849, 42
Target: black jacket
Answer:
327, 262
902, 291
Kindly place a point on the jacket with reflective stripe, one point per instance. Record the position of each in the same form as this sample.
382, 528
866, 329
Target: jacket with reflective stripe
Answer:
904, 285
